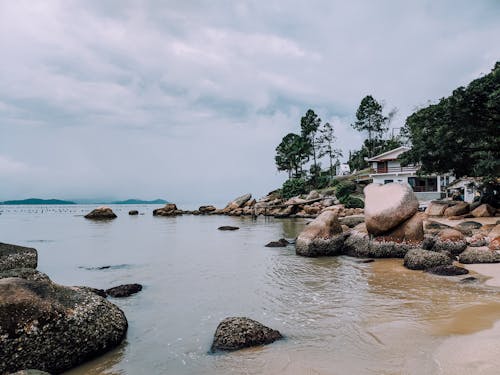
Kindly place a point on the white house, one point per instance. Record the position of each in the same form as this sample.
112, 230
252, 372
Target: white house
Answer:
387, 168
466, 187
343, 170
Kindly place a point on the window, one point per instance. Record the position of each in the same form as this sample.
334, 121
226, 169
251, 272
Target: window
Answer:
388, 181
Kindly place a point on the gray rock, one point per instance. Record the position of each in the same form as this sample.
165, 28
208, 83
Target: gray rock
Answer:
124, 290
352, 221
57, 327
133, 212
24, 273
239, 332
359, 244
469, 225
101, 213
448, 270
228, 227
240, 201
419, 259
13, 256
478, 255
280, 243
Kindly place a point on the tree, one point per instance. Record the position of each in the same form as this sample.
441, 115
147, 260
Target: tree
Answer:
309, 125
369, 118
461, 133
326, 142
291, 154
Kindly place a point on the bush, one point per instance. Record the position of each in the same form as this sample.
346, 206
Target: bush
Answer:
352, 202
345, 188
293, 187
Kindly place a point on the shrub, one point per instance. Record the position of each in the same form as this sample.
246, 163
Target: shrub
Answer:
345, 188
352, 202
293, 187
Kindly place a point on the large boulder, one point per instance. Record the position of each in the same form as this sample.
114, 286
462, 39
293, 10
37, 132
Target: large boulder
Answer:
450, 240
239, 332
54, 328
436, 208
411, 230
494, 232
461, 208
240, 201
484, 210
170, 209
323, 236
478, 255
207, 209
419, 259
494, 244
387, 206
101, 213
14, 256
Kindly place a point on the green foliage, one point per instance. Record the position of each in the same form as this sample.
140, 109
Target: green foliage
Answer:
352, 202
293, 187
369, 118
345, 188
490, 192
292, 153
461, 133
309, 125
326, 148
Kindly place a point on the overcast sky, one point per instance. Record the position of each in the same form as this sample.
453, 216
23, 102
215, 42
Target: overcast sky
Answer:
187, 100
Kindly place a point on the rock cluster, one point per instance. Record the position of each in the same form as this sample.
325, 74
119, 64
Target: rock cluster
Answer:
50, 327
170, 209
239, 332
459, 209
101, 213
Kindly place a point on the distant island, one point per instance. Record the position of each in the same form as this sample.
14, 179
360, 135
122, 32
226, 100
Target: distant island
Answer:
140, 201
38, 201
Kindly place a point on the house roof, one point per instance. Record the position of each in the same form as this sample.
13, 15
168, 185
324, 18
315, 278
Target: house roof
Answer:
389, 155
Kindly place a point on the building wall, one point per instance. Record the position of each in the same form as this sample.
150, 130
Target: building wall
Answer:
381, 179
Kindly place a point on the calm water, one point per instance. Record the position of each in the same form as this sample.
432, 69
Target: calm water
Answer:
339, 316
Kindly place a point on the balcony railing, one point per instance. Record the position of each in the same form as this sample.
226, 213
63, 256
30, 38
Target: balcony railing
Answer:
386, 169
424, 189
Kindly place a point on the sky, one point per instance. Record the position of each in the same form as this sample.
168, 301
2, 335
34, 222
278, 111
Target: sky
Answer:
187, 100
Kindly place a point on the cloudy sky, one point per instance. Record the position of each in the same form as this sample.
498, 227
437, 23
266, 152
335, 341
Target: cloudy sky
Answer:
187, 100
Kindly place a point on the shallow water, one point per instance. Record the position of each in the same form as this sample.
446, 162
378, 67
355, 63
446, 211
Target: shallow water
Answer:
339, 316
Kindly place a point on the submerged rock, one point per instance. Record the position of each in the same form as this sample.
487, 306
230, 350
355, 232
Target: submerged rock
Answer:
468, 280
478, 255
133, 212
448, 270
323, 236
14, 256
101, 213
228, 227
239, 332
419, 259
280, 243
57, 327
124, 290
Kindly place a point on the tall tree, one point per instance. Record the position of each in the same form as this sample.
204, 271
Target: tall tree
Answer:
326, 145
369, 118
309, 125
461, 133
291, 154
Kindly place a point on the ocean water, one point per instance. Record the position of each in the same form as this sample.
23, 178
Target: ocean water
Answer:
338, 315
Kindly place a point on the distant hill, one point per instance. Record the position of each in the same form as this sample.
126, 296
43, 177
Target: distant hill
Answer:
139, 201
38, 201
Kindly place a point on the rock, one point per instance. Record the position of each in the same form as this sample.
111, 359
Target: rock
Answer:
285, 212
345, 228
478, 240
478, 255
100, 292
57, 327
170, 209
228, 227
30, 372
239, 332
101, 213
461, 208
311, 210
239, 202
366, 260
14, 256
450, 240
323, 236
434, 226
133, 212
448, 270
411, 230
352, 221
313, 195
251, 203
468, 280
436, 208
387, 206
469, 225
494, 244
24, 273
124, 290
428, 242
280, 243
484, 210
419, 259
207, 209
494, 232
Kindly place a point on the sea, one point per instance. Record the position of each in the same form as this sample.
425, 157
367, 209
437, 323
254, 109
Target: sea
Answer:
338, 315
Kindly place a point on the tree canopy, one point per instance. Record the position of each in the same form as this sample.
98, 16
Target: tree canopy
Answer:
369, 118
292, 153
461, 133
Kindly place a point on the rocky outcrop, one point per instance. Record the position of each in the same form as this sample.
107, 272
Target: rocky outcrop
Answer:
450, 240
170, 209
57, 327
436, 208
419, 259
484, 210
101, 213
239, 332
14, 256
133, 212
207, 209
323, 236
411, 230
458, 209
478, 255
448, 270
387, 206
124, 290
24, 273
